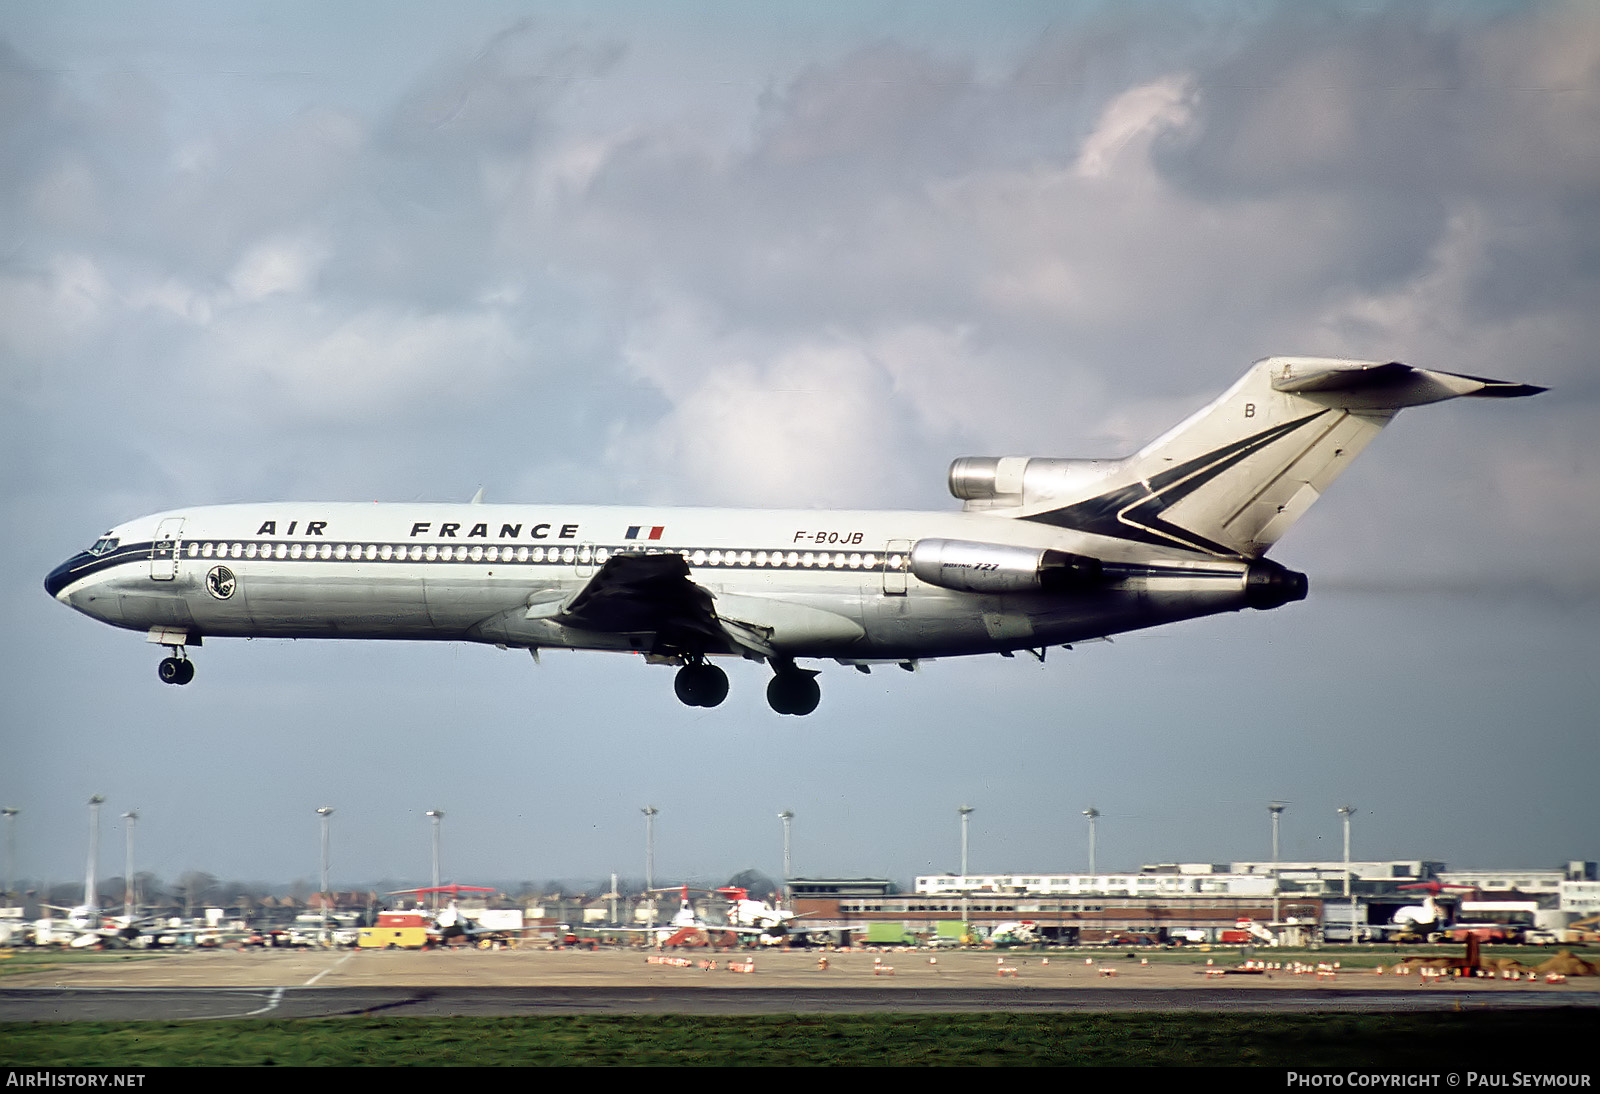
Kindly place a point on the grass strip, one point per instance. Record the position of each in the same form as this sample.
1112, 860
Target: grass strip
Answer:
1534, 1039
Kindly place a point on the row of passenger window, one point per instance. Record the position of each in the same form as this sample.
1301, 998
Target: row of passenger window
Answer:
416, 552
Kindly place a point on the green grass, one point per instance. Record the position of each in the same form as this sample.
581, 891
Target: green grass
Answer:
1536, 1039
27, 959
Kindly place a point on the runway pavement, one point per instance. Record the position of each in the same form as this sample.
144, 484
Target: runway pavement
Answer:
291, 984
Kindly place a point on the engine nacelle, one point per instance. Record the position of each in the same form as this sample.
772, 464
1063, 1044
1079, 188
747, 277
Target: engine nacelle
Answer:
1003, 482
970, 567
1268, 585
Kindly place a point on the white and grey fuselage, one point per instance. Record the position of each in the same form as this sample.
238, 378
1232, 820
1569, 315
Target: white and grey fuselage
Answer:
829, 584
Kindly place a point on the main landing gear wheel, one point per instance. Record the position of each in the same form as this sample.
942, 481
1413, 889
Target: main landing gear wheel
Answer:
794, 691
701, 685
175, 670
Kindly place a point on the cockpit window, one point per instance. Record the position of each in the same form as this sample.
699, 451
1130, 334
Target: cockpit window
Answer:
104, 545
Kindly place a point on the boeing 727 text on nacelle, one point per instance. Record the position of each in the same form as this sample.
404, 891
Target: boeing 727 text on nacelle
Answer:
1045, 552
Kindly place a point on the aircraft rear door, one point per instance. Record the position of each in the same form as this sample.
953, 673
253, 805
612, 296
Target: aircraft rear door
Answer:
164, 549
896, 561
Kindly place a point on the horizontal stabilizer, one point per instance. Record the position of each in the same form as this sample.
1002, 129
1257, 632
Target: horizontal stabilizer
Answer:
1389, 385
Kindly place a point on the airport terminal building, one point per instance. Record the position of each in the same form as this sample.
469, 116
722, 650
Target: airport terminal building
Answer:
1131, 909
1198, 902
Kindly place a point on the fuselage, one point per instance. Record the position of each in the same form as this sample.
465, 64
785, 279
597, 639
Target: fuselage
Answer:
818, 583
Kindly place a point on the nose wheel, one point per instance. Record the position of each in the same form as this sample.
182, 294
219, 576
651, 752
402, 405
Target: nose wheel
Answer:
175, 670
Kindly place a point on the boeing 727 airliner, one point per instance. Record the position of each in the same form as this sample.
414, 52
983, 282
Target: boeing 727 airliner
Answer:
1044, 552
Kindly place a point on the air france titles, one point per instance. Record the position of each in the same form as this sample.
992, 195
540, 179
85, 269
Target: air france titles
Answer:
450, 530
424, 529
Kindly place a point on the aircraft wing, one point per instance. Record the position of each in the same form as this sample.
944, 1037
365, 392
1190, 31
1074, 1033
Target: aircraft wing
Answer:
645, 594
653, 594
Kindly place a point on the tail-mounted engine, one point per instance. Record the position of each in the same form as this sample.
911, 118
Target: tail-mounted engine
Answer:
1268, 585
1005, 482
999, 568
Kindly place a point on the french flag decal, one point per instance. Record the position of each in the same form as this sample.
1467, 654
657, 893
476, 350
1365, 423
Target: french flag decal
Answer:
644, 532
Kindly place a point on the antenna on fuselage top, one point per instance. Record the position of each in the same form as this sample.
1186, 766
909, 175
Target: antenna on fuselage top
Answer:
477, 499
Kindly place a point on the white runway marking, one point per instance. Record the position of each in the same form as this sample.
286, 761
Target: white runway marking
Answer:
272, 1004
330, 968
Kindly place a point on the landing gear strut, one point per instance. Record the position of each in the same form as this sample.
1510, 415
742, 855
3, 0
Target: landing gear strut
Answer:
176, 670
701, 684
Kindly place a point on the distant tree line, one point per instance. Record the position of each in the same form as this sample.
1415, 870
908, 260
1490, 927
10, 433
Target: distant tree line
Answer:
195, 890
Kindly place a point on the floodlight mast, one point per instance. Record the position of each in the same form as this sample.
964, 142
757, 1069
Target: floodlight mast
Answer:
1345, 813
650, 812
1276, 809
786, 817
127, 868
325, 812
1093, 814
435, 816
91, 896
10, 814
965, 811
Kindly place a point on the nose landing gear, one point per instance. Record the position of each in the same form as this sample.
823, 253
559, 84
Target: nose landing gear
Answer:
177, 669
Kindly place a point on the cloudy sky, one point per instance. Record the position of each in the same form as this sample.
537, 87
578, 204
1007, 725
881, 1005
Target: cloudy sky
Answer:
800, 255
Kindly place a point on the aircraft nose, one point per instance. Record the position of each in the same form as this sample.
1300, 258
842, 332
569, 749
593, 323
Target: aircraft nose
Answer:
57, 579
61, 577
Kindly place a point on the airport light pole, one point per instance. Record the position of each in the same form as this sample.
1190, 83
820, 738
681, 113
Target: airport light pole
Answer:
435, 815
325, 812
1276, 809
10, 814
1345, 813
650, 812
786, 816
1093, 814
127, 868
965, 811
90, 896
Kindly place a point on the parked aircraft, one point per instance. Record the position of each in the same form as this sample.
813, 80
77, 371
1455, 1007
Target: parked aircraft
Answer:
450, 922
746, 914
1023, 932
86, 928
79, 928
1044, 552
742, 918
1425, 920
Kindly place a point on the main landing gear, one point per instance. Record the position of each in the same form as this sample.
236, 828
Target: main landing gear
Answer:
794, 691
177, 669
702, 684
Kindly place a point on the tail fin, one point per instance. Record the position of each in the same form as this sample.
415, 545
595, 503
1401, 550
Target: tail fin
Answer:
1232, 478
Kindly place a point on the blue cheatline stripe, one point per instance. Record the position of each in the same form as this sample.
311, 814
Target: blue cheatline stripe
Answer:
222, 551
